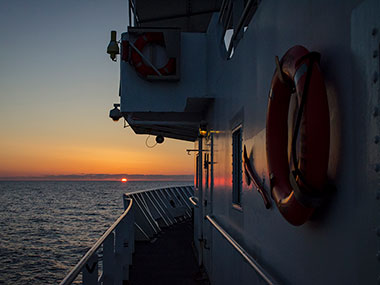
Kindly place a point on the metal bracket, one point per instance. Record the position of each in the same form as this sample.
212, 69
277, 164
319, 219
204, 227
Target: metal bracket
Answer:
191, 150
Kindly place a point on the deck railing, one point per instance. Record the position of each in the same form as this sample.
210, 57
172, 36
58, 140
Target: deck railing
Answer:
152, 209
156, 208
247, 257
118, 246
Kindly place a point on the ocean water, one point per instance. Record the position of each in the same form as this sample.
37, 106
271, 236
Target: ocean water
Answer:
46, 227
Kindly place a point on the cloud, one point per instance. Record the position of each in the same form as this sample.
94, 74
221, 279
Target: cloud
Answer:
97, 177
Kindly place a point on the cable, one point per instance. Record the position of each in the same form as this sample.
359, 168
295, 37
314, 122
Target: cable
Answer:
146, 143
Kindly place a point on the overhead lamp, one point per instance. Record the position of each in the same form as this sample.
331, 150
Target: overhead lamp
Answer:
203, 129
113, 46
160, 139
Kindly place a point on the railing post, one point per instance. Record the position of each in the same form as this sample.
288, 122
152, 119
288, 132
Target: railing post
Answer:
126, 201
119, 240
122, 252
109, 259
115, 262
131, 230
128, 238
90, 271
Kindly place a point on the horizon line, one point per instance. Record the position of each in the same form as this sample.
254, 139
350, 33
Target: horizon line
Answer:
101, 177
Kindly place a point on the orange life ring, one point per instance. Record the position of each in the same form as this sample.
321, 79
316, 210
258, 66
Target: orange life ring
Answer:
138, 62
297, 193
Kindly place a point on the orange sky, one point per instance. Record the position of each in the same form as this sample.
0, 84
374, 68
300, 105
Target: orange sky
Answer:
95, 150
57, 85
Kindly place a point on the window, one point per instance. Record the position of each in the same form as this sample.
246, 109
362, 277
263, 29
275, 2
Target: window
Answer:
237, 165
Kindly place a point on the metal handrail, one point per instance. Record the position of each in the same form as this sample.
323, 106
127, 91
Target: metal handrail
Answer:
156, 189
266, 277
194, 200
77, 269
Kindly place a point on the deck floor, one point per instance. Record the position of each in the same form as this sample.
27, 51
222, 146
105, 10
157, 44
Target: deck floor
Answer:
169, 259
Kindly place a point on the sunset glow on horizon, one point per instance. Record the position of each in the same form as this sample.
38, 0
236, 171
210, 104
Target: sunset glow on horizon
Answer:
89, 155
56, 95
124, 180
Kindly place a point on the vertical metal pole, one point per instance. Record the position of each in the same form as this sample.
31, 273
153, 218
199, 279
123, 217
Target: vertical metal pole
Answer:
200, 199
134, 14
125, 201
210, 209
121, 252
238, 8
129, 13
90, 271
131, 231
211, 175
109, 259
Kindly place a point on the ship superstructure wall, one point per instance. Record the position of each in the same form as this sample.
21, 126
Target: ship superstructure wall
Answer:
339, 244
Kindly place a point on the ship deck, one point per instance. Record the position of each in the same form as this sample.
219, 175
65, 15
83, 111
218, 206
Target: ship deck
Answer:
168, 259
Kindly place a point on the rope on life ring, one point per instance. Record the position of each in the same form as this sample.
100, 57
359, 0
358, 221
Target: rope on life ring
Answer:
251, 176
137, 61
298, 192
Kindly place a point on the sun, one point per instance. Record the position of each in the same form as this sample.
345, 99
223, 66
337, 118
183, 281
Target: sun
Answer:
124, 179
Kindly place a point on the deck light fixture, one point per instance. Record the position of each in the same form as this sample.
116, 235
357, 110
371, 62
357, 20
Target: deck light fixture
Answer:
203, 129
113, 46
